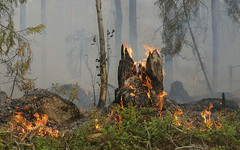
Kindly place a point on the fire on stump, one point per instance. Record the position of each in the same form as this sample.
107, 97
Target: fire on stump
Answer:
140, 83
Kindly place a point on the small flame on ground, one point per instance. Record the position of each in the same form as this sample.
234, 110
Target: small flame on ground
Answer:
207, 120
160, 102
21, 124
177, 114
97, 126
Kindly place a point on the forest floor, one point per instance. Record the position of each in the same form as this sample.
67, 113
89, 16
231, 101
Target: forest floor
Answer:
130, 127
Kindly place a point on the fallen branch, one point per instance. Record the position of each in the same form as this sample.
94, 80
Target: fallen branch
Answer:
188, 147
25, 144
29, 132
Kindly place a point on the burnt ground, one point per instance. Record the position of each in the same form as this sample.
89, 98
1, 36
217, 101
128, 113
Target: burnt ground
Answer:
72, 117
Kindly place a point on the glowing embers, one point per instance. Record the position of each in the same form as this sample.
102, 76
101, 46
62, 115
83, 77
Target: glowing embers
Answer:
97, 125
20, 124
176, 115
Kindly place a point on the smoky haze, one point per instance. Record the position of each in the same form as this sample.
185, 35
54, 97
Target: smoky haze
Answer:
71, 26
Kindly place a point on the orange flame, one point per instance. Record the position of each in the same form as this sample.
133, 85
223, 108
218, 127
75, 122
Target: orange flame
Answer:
129, 49
207, 120
150, 49
24, 126
177, 114
160, 102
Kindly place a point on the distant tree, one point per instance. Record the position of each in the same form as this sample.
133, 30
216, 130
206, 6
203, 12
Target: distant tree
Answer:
133, 25
43, 44
15, 50
215, 39
177, 17
118, 29
102, 60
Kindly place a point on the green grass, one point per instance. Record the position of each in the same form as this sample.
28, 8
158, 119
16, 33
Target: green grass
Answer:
133, 128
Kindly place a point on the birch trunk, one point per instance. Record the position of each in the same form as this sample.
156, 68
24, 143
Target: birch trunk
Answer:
103, 72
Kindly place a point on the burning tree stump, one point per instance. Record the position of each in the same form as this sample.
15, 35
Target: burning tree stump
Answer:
126, 68
154, 70
141, 87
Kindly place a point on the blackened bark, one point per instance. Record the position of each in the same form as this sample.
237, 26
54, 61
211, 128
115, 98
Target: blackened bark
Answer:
126, 68
155, 71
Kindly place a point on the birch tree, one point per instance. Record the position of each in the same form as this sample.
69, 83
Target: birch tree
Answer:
102, 60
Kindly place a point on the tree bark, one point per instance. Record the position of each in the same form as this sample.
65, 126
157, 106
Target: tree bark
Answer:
133, 25
155, 71
215, 24
126, 68
103, 71
43, 55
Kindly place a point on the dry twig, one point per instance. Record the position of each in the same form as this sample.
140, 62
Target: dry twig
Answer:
189, 147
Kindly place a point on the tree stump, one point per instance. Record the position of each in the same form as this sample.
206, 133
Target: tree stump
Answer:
140, 87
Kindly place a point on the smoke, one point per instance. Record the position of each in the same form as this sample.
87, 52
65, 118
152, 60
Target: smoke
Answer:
72, 25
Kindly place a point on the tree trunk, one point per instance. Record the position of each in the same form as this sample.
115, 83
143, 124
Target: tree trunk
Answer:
43, 55
103, 71
118, 30
196, 49
215, 23
0, 47
133, 25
